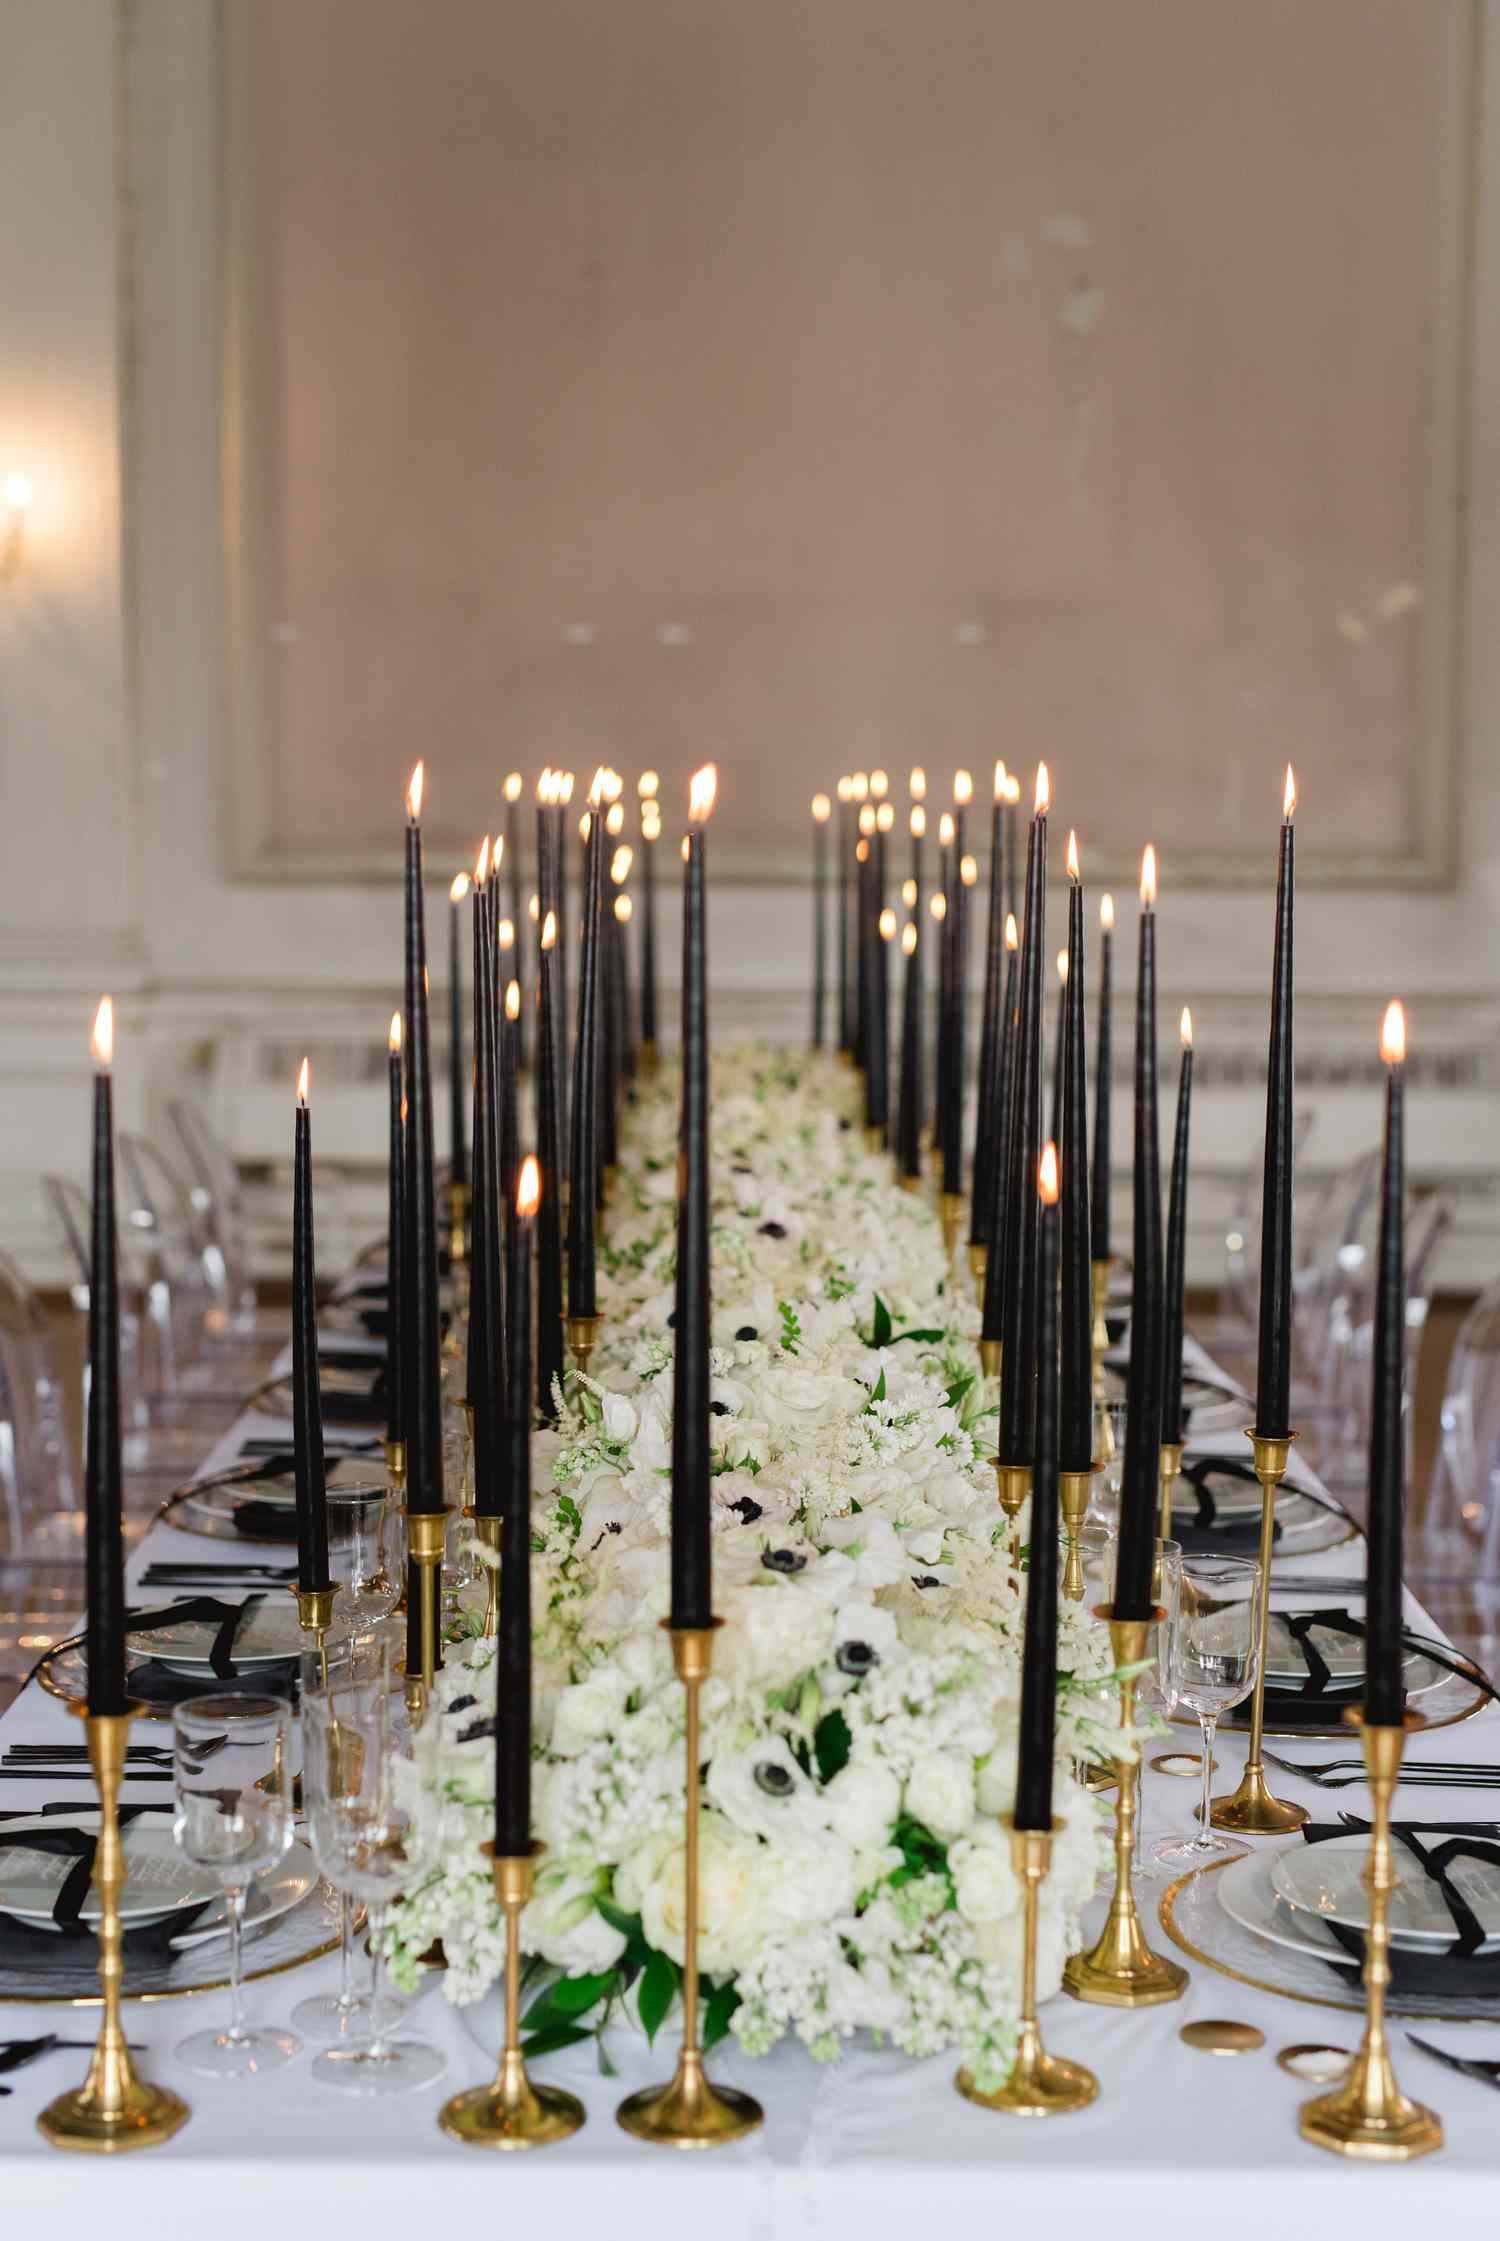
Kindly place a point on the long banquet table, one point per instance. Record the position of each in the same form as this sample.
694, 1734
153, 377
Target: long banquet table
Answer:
870, 2146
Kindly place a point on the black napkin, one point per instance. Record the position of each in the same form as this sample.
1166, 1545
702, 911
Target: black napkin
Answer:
1199, 1531
228, 1617
161, 1690
335, 1353
1319, 1701
1456, 1971
21, 1942
265, 1521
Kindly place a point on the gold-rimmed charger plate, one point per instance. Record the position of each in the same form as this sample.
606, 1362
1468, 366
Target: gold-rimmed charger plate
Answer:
310, 1930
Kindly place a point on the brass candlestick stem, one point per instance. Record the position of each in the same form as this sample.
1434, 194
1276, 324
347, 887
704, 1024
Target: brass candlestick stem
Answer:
650, 1059
1073, 1501
1040, 2084
458, 1217
689, 2112
487, 1533
1168, 1471
1099, 1335
315, 1616
1368, 2115
426, 1534
951, 1215
991, 1355
1120, 1970
1251, 1809
511, 2112
583, 1336
1013, 1485
113, 2109
979, 1261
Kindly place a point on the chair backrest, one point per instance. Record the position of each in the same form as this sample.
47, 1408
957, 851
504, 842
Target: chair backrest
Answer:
217, 1197
1242, 1241
37, 1477
157, 1204
148, 1350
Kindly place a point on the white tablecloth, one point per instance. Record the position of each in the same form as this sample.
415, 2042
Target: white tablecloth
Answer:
863, 2150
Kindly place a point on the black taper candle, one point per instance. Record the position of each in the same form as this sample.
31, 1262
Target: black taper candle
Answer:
822, 809
1273, 1384
513, 1641
514, 786
458, 1069
650, 833
1019, 1333
1139, 1484
480, 1347
395, 1364
958, 1065
1173, 1421
563, 1017
424, 1390
102, 1469
1059, 1042
1001, 1225
309, 1476
549, 1277
488, 1392
880, 1060
1039, 1648
1385, 1690
942, 991
844, 846
981, 1204
508, 1139
583, 1296
1075, 1444
1103, 1076
909, 1092
692, 1563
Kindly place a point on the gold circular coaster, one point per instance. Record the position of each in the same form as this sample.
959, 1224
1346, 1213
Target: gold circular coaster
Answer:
1182, 1762
1319, 2065
1215, 2037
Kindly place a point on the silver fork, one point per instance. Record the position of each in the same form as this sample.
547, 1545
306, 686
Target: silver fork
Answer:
1345, 1774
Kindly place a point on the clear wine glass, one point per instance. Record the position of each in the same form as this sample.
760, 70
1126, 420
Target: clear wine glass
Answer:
360, 1838
1212, 1652
1109, 1447
344, 2014
233, 1817
360, 1548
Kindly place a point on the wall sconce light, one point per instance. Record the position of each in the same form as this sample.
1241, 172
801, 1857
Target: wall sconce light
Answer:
15, 504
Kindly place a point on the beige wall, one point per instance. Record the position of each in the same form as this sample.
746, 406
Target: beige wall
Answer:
127, 800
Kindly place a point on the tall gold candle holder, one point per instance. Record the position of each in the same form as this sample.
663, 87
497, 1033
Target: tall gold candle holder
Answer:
1013, 1485
689, 2112
512, 2112
951, 1215
1251, 1810
979, 1261
113, 2109
315, 1616
1099, 1335
1168, 1472
1040, 2084
1073, 1502
991, 1355
582, 1333
1120, 1970
426, 1537
650, 1059
1368, 2116
487, 1534
458, 1219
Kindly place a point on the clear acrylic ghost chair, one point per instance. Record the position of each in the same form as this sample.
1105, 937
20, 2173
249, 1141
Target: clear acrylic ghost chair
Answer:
1339, 1421
41, 1518
218, 1202
1453, 1537
1231, 1334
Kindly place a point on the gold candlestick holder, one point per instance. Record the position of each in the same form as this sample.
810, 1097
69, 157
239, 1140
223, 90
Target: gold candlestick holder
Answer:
426, 1537
582, 1333
487, 1534
1099, 1335
1120, 1970
1368, 2116
951, 1215
458, 1223
991, 1355
512, 2112
113, 2109
1168, 1472
874, 1137
1040, 2084
1013, 1485
979, 1261
1251, 1810
315, 1616
1073, 1502
689, 2112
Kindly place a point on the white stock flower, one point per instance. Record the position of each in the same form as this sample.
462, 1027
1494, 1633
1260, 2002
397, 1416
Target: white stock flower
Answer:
940, 1793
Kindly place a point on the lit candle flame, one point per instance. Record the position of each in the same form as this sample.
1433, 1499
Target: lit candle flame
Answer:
822, 809
1012, 931
908, 939
414, 790
1107, 913
482, 862
1148, 877
620, 863
513, 786
614, 819
1012, 789
946, 829
1043, 796
859, 785
845, 789
565, 787
393, 1037
505, 933
1046, 1174
885, 817
647, 785
918, 822
1073, 871
968, 870
1002, 779
544, 786
938, 905
887, 924
963, 788
909, 893
1393, 1035
1185, 1028
103, 1038
304, 1082
585, 826
597, 785
916, 784
458, 887
880, 785
861, 851
623, 909
549, 930
687, 848
702, 788
513, 999
1289, 793
1062, 966
867, 818
533, 906
528, 1186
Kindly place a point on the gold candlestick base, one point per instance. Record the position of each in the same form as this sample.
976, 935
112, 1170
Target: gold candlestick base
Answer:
1099, 1335
426, 1538
650, 1059
487, 1533
1168, 1472
874, 1137
911, 1182
114, 2109
1013, 1485
1073, 1502
458, 1223
979, 1261
511, 2112
1251, 1810
1368, 2116
1040, 2084
951, 1215
689, 2111
583, 1336
1120, 1970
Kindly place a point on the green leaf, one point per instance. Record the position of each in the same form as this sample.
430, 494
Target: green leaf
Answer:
628, 1925
551, 2041
877, 1390
959, 1391
922, 1338
722, 2002
880, 1329
831, 1745
658, 1988
576, 1993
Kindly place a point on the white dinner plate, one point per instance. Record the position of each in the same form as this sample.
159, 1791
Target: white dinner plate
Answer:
1326, 1881
270, 1634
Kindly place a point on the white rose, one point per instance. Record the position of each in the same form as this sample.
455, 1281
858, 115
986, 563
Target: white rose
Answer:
984, 1881
592, 1707
734, 1882
620, 1419
996, 1779
940, 1793
565, 1927
862, 1802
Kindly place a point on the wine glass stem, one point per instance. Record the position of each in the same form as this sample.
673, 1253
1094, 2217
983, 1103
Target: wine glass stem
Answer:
236, 2032
348, 1997
377, 1985
1207, 1723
